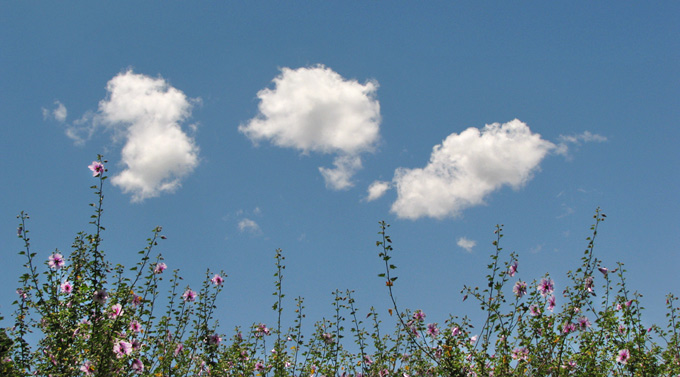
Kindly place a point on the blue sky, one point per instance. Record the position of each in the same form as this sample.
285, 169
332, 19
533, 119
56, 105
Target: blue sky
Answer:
246, 127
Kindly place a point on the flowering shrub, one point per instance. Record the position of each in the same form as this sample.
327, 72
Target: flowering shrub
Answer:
96, 319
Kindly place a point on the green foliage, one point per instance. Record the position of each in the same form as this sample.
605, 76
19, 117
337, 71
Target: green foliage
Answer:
95, 318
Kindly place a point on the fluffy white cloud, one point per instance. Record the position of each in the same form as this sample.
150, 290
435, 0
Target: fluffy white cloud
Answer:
377, 189
315, 109
466, 244
467, 167
248, 225
147, 112
59, 112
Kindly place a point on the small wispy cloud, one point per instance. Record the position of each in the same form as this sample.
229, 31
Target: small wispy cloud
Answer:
585, 137
536, 249
82, 129
466, 244
314, 109
377, 189
339, 178
59, 112
248, 225
566, 211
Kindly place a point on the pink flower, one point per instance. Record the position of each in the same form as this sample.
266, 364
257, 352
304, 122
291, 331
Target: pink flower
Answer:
136, 300
432, 330
368, 360
473, 339
438, 353
520, 289
136, 344
623, 356
589, 284
189, 295
217, 280
414, 329
513, 268
520, 353
135, 326
259, 366
178, 349
534, 311
214, 340
160, 267
122, 348
87, 368
137, 366
97, 168
568, 328
56, 261
603, 270
261, 330
583, 323
66, 287
546, 286
455, 331
419, 315
551, 303
203, 368
116, 310
327, 338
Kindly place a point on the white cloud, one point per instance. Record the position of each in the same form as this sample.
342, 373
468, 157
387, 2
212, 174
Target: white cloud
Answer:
147, 112
59, 112
584, 137
248, 225
82, 129
340, 177
466, 244
377, 189
537, 249
467, 167
315, 109
567, 211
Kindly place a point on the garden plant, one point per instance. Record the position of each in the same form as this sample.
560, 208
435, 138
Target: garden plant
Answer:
94, 318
